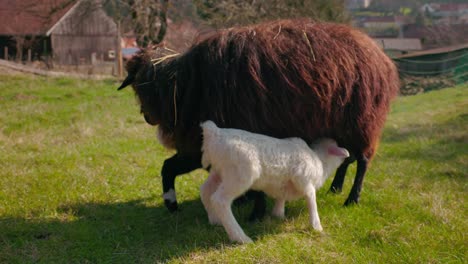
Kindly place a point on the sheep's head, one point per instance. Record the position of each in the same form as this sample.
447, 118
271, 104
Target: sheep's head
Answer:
147, 79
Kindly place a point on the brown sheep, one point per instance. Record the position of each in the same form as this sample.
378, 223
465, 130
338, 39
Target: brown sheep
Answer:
287, 78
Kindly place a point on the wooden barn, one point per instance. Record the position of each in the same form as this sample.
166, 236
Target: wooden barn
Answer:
65, 32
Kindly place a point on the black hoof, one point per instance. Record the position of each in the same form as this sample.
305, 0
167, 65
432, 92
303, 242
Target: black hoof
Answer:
350, 202
171, 206
336, 190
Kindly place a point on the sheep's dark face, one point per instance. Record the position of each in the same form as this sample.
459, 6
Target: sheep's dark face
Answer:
149, 102
141, 75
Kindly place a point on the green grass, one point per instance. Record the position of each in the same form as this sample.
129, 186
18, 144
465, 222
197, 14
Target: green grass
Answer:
80, 183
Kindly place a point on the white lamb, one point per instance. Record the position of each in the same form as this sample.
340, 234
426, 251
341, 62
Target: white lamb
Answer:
284, 169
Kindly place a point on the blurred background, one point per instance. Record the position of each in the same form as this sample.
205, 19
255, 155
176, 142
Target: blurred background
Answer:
427, 39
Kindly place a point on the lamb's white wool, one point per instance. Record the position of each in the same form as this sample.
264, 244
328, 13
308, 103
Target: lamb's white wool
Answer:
285, 169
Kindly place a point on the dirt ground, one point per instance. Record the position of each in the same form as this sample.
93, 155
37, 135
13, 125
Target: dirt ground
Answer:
8, 71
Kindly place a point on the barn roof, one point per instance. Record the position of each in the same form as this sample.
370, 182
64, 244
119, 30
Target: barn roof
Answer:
449, 6
403, 44
435, 51
31, 17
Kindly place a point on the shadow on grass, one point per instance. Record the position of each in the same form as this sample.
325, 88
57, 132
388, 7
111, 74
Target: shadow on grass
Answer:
127, 232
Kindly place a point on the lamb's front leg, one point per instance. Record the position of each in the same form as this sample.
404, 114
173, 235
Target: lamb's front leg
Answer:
312, 205
206, 191
278, 209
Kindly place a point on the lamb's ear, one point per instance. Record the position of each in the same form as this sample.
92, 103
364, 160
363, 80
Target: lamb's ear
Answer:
126, 82
337, 151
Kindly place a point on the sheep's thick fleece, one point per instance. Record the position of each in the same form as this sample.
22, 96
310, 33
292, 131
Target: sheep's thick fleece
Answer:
285, 169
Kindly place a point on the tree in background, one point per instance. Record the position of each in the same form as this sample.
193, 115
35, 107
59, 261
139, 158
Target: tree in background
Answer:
226, 13
146, 18
150, 20
423, 18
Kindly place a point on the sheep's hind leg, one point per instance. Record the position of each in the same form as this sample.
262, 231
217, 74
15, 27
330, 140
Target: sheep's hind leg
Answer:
206, 191
259, 208
353, 197
221, 202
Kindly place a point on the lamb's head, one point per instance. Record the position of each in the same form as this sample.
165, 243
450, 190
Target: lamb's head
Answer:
330, 154
149, 81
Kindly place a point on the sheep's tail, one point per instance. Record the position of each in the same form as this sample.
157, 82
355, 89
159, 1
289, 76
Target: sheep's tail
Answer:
209, 131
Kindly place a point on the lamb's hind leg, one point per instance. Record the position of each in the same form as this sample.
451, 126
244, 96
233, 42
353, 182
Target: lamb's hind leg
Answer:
221, 201
206, 191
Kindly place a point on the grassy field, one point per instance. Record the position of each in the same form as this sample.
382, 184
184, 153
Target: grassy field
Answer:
80, 183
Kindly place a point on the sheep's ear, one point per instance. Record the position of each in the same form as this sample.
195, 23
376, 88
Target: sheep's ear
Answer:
337, 151
126, 82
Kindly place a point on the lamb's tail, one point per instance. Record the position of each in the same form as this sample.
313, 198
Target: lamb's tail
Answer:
208, 126
209, 131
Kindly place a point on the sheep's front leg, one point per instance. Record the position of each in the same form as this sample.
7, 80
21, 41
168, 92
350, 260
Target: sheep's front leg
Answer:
172, 167
312, 205
206, 191
221, 202
337, 184
353, 197
278, 209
